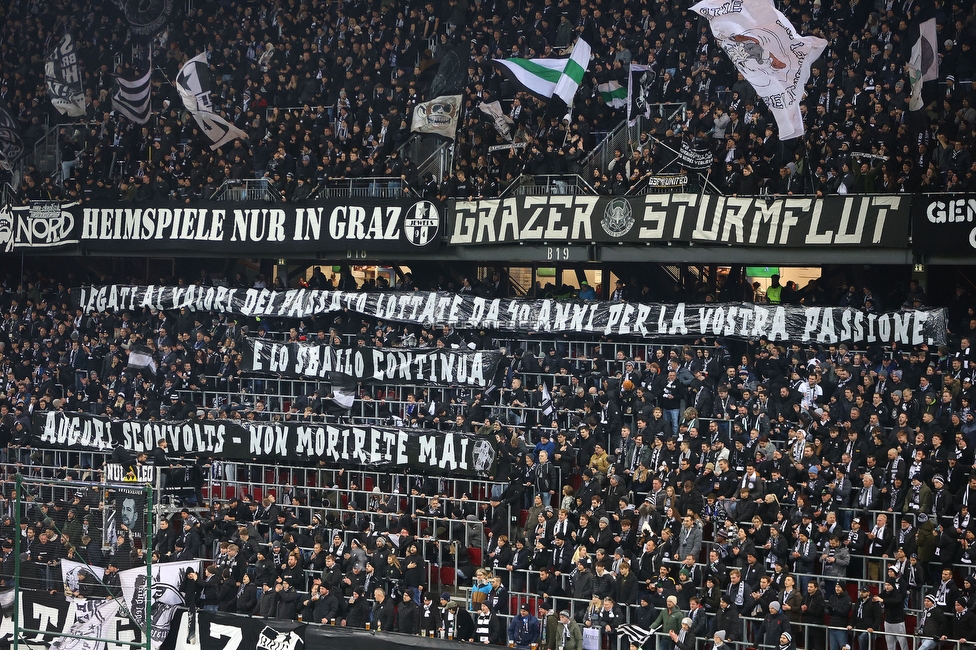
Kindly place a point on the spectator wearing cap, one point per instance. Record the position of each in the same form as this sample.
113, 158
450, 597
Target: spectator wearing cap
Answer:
867, 616
774, 624
357, 610
524, 629
838, 608
430, 615
963, 623
408, 614
931, 626
668, 621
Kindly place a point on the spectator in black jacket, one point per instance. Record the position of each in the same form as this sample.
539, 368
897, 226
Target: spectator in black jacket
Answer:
838, 609
775, 624
964, 623
383, 614
247, 596
931, 625
357, 613
321, 605
892, 599
813, 613
287, 601
408, 614
867, 617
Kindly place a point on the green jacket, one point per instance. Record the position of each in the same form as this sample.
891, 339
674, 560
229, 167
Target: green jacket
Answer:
669, 622
925, 538
575, 639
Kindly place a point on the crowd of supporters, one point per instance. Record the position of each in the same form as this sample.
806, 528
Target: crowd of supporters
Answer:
326, 90
680, 487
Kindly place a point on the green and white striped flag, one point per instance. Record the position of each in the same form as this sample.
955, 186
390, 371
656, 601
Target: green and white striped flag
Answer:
548, 78
614, 95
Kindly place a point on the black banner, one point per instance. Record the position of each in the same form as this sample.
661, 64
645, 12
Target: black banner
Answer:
219, 631
387, 365
742, 320
238, 227
944, 223
41, 224
414, 450
875, 221
697, 157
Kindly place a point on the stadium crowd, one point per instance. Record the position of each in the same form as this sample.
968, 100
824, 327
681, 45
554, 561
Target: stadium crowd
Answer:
326, 90
684, 488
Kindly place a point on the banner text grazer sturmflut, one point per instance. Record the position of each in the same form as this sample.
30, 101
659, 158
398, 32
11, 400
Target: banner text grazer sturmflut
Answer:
414, 450
387, 365
730, 320
875, 221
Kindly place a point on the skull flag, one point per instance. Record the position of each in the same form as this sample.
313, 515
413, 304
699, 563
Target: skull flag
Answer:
769, 53
439, 116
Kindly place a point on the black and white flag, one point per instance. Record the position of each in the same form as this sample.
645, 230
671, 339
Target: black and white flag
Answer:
63, 76
547, 408
637, 635
11, 145
194, 86
639, 92
503, 123
147, 17
131, 97
141, 360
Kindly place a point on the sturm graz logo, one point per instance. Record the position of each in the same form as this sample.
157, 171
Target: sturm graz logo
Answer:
618, 218
421, 223
483, 454
272, 639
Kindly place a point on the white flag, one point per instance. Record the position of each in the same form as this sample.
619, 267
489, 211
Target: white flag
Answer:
925, 51
503, 123
166, 595
63, 76
923, 65
769, 53
193, 84
438, 116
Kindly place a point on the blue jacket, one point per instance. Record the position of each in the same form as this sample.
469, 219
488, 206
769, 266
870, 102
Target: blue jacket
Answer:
524, 630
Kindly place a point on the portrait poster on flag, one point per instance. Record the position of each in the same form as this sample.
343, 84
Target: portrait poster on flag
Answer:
767, 50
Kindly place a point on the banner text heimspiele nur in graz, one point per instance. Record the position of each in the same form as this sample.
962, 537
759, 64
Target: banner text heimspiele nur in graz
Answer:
734, 320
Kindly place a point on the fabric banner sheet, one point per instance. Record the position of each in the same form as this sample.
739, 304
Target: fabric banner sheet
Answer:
732, 320
415, 450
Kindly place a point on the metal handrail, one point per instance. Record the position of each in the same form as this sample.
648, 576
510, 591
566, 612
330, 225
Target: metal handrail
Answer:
246, 189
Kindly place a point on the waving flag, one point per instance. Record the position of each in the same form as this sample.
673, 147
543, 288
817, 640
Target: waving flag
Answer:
547, 408
63, 77
11, 145
549, 78
613, 94
194, 85
923, 65
769, 53
131, 97
439, 116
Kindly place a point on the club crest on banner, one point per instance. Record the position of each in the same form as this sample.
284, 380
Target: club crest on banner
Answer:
272, 639
6, 229
484, 456
618, 218
420, 223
